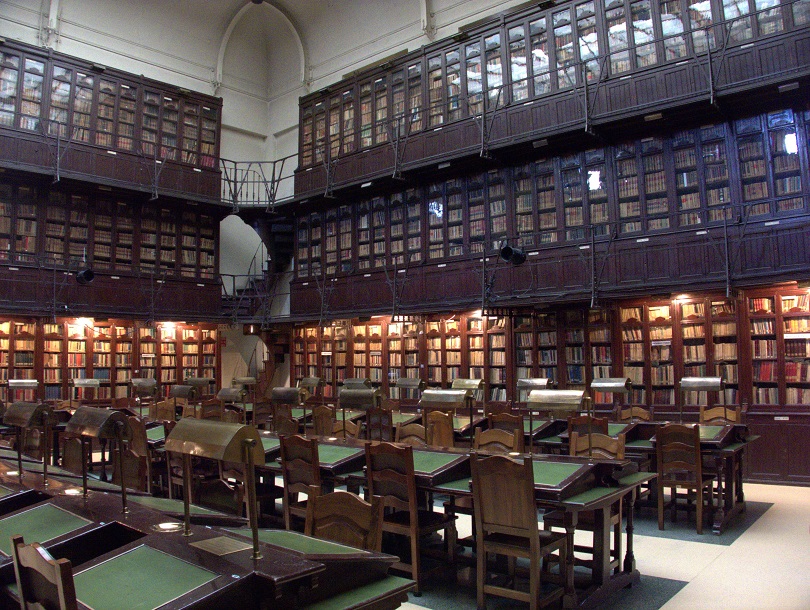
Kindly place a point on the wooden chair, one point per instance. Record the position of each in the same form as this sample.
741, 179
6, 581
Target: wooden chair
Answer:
285, 426
494, 440
280, 411
347, 430
42, 581
213, 408
629, 414
411, 434
262, 413
439, 426
514, 532
599, 445
346, 518
587, 424
230, 416
505, 421
163, 411
722, 414
301, 473
322, 421
138, 460
233, 475
497, 440
390, 473
379, 424
677, 450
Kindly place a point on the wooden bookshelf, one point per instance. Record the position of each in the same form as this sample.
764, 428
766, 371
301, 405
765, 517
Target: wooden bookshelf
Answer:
57, 352
117, 120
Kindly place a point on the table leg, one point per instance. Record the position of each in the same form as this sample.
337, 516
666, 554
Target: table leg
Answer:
629, 558
103, 443
570, 599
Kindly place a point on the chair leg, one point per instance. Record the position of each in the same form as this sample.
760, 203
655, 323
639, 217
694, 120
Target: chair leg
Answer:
660, 507
416, 562
699, 508
534, 582
481, 573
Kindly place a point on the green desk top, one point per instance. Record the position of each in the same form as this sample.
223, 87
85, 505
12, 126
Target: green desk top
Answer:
141, 579
642, 444
553, 473
356, 597
707, 432
307, 545
550, 439
402, 418
460, 422
329, 454
528, 426
171, 506
269, 443
457, 485
591, 495
430, 461
5, 491
38, 524
616, 429
298, 413
156, 434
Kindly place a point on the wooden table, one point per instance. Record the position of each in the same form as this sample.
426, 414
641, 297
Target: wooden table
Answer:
129, 556
723, 444
574, 485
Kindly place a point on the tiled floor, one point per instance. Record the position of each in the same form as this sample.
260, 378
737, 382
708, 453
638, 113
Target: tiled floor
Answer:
768, 566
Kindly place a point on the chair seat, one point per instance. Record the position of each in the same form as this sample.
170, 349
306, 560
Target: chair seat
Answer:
506, 543
428, 520
686, 478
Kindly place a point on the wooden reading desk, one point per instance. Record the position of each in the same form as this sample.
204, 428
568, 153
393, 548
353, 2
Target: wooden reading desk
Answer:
143, 557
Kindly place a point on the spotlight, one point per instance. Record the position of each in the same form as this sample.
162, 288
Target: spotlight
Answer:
516, 256
85, 276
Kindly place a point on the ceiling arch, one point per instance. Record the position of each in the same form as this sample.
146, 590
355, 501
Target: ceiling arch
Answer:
294, 29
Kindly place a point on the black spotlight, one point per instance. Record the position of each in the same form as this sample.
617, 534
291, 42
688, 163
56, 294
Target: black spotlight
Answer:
516, 256
85, 276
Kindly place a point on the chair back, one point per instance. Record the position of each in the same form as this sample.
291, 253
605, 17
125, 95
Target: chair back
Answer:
720, 415
496, 440
262, 412
414, 435
162, 411
346, 518
300, 467
322, 420
138, 444
505, 421
213, 408
379, 424
230, 416
347, 429
390, 474
599, 445
677, 450
587, 424
628, 414
494, 479
42, 581
439, 429
285, 425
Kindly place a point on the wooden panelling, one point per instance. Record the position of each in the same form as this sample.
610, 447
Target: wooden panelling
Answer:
796, 435
697, 258
781, 451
